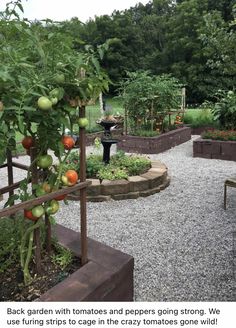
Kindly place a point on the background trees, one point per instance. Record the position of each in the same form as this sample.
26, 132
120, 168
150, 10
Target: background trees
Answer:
194, 40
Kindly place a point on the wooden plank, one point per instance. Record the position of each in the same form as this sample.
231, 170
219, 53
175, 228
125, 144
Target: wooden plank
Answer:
39, 200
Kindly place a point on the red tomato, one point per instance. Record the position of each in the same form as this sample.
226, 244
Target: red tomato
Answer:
68, 142
72, 177
27, 142
29, 215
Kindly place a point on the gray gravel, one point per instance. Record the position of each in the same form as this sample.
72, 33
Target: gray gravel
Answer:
181, 239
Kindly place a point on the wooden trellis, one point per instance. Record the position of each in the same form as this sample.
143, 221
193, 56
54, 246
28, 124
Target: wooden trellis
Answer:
82, 186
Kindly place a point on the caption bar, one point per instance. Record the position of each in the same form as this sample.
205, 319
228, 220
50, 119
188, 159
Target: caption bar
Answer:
140, 314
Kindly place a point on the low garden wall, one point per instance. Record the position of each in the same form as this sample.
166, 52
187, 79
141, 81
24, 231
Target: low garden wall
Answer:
143, 185
154, 145
108, 275
200, 130
207, 148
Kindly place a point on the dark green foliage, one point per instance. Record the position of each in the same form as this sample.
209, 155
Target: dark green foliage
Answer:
120, 167
224, 110
203, 118
9, 242
134, 165
147, 97
165, 37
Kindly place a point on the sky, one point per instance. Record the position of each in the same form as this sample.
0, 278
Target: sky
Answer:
65, 9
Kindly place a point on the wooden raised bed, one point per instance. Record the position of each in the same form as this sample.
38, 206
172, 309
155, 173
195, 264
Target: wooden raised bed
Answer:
154, 145
108, 275
217, 149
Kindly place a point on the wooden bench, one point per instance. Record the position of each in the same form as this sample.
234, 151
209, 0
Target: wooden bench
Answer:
231, 182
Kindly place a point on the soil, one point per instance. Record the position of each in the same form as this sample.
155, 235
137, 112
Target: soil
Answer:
12, 284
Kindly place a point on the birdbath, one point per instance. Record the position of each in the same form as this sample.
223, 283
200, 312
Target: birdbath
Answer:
107, 139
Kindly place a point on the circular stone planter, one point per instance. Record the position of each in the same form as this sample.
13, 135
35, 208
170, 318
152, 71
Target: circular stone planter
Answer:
143, 185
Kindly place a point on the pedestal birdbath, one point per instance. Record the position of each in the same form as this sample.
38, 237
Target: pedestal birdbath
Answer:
107, 139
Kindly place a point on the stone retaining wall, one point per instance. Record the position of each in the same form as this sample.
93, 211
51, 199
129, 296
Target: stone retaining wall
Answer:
154, 145
151, 182
217, 149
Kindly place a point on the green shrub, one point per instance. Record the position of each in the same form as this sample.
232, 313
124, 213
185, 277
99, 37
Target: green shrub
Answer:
224, 110
120, 167
133, 164
111, 172
203, 117
93, 165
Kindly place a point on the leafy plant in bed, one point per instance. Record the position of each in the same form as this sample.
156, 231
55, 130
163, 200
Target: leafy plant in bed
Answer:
55, 267
120, 167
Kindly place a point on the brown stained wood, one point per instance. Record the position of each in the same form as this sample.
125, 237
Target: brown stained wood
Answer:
83, 212
10, 171
20, 166
39, 200
48, 234
34, 180
113, 280
11, 187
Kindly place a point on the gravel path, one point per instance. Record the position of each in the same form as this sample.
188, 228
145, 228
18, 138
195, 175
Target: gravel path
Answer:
181, 239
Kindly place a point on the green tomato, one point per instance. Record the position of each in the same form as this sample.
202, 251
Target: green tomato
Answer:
40, 191
64, 180
38, 211
59, 78
57, 93
53, 207
83, 122
54, 101
44, 103
44, 161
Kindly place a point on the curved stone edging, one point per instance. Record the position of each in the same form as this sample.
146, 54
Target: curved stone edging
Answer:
149, 183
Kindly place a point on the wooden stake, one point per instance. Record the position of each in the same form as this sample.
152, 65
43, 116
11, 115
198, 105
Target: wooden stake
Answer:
83, 214
34, 180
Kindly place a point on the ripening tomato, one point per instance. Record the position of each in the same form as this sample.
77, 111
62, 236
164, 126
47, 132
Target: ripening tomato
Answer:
46, 187
68, 142
29, 215
70, 178
27, 142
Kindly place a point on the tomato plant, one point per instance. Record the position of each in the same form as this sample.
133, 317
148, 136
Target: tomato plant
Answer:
44, 88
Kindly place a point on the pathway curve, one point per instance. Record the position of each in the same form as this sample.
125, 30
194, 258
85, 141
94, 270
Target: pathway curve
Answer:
181, 238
